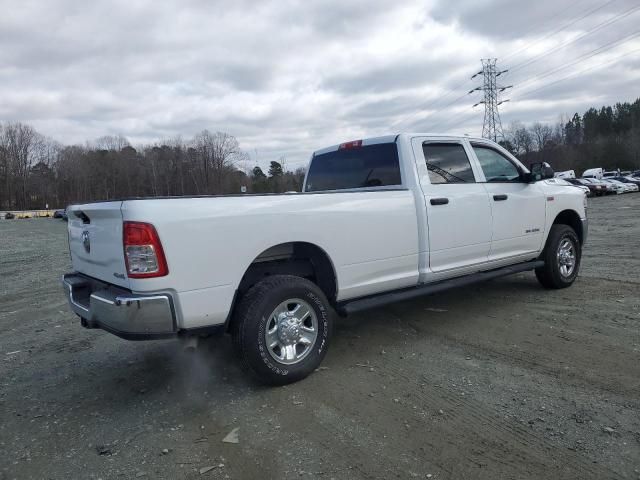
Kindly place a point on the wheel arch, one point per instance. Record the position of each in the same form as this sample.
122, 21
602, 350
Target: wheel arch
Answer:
571, 218
299, 258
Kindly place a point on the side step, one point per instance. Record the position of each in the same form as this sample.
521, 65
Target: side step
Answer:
373, 301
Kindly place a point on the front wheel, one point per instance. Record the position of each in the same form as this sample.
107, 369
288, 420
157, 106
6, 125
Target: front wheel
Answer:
561, 255
282, 328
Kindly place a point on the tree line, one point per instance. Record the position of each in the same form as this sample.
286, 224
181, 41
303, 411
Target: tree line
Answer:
608, 137
36, 171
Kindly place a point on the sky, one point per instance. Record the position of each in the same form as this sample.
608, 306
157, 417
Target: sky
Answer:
289, 77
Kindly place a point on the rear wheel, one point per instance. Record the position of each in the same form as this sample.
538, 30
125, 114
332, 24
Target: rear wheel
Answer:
282, 328
561, 255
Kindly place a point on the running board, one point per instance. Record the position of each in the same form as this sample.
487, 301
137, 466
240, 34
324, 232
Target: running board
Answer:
364, 303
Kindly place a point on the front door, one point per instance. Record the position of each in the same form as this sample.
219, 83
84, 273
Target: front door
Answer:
458, 209
517, 207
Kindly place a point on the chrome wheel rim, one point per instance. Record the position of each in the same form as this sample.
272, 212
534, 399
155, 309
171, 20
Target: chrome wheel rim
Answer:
291, 331
566, 257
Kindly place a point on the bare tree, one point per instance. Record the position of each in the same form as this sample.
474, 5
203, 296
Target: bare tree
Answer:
20, 142
114, 143
520, 138
542, 135
217, 153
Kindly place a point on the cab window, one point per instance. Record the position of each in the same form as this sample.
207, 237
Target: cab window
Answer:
495, 166
447, 163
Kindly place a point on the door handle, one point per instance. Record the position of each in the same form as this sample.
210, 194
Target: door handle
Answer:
439, 201
499, 198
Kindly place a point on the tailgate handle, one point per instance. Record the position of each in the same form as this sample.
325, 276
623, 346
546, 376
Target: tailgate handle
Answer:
499, 198
439, 201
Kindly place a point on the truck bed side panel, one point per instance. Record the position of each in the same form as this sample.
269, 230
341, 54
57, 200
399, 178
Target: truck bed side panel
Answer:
371, 238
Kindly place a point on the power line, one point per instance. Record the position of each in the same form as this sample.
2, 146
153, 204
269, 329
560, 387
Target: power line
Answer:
465, 115
492, 118
576, 74
582, 58
435, 102
600, 26
443, 107
564, 27
429, 105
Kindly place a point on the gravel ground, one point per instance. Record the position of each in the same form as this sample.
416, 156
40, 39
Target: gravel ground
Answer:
498, 380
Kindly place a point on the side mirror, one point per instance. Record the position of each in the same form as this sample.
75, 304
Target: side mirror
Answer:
540, 171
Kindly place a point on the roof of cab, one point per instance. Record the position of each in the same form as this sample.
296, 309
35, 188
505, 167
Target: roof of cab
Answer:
393, 138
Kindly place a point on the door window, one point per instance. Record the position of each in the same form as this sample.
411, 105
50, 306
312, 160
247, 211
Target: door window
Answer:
496, 167
447, 163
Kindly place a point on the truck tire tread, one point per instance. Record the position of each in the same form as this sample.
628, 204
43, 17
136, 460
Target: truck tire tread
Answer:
258, 302
549, 275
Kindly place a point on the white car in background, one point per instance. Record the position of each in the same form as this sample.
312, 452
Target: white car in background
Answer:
565, 174
618, 188
629, 180
621, 187
593, 173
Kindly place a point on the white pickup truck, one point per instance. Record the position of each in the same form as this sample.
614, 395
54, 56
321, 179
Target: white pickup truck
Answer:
379, 220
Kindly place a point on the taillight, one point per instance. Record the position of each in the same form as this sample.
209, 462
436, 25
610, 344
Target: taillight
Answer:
143, 252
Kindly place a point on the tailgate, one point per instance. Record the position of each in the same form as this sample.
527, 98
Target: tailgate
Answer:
95, 241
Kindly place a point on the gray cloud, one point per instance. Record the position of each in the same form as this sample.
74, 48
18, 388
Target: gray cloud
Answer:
288, 77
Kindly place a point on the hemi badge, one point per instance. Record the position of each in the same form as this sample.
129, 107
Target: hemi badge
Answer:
550, 199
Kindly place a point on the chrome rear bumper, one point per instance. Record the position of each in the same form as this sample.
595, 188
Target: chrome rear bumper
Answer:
119, 311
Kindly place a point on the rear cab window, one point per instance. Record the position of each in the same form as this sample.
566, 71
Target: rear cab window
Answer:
355, 166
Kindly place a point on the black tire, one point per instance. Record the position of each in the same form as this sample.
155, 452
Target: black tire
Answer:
253, 315
551, 276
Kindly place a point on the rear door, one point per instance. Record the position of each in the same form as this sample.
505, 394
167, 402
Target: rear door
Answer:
517, 207
458, 210
95, 241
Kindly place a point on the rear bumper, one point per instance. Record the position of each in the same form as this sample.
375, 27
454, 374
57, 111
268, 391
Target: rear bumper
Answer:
119, 311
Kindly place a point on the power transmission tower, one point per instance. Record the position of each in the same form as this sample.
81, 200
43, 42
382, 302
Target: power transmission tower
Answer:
492, 126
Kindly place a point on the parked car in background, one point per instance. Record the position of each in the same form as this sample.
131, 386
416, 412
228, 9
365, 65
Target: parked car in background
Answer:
629, 180
566, 174
593, 173
628, 187
611, 174
618, 187
610, 189
9, 216
593, 189
58, 214
601, 187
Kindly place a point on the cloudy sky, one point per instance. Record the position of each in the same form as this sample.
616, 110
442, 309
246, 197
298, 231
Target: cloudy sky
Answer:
287, 77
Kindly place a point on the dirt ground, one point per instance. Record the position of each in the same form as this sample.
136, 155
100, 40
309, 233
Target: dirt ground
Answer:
500, 380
